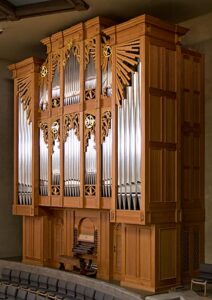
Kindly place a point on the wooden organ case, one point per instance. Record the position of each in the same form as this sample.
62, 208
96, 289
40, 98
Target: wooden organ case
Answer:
109, 147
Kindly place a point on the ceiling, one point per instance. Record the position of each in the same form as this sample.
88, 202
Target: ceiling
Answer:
21, 38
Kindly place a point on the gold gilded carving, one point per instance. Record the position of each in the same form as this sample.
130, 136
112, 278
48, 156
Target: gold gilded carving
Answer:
90, 122
55, 132
55, 102
127, 55
71, 122
25, 94
90, 49
43, 71
90, 190
55, 190
44, 128
106, 124
71, 48
90, 94
106, 53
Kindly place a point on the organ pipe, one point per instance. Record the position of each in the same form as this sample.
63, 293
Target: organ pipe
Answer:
107, 80
72, 165
56, 163
90, 78
43, 103
106, 165
24, 157
72, 81
43, 165
129, 145
56, 88
90, 162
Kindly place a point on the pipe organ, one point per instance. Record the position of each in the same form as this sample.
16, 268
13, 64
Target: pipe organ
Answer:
108, 143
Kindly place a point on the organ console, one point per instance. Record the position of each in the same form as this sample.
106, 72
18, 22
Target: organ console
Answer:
108, 151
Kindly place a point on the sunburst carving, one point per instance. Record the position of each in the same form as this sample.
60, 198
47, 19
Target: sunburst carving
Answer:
127, 55
25, 94
71, 122
106, 124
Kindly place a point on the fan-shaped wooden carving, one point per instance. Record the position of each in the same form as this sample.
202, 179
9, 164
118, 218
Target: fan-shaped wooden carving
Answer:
127, 55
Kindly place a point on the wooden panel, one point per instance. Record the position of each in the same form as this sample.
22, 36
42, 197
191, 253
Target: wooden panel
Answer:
156, 175
170, 71
131, 252
33, 239
155, 61
192, 249
105, 245
168, 253
156, 117
186, 107
197, 108
57, 242
187, 72
171, 175
138, 257
145, 259
170, 116
117, 251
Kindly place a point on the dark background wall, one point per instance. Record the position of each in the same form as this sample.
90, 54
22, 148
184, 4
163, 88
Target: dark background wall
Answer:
10, 226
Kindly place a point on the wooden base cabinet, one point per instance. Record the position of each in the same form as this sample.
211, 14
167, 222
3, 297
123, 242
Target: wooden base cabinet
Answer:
109, 152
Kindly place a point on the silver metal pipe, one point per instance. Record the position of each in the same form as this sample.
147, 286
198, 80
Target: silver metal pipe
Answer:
72, 165
90, 75
90, 162
129, 146
72, 81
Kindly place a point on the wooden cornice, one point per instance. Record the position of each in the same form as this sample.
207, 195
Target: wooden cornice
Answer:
11, 12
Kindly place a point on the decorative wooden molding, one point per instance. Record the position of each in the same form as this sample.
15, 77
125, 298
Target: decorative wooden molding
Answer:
106, 124
44, 128
71, 47
90, 125
127, 55
106, 53
25, 94
71, 122
90, 49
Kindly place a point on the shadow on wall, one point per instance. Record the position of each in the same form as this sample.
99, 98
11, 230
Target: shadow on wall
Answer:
10, 226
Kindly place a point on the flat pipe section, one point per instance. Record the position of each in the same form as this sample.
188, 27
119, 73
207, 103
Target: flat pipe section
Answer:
90, 162
90, 75
24, 158
56, 163
43, 166
43, 103
56, 84
129, 147
72, 165
107, 81
72, 81
106, 165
